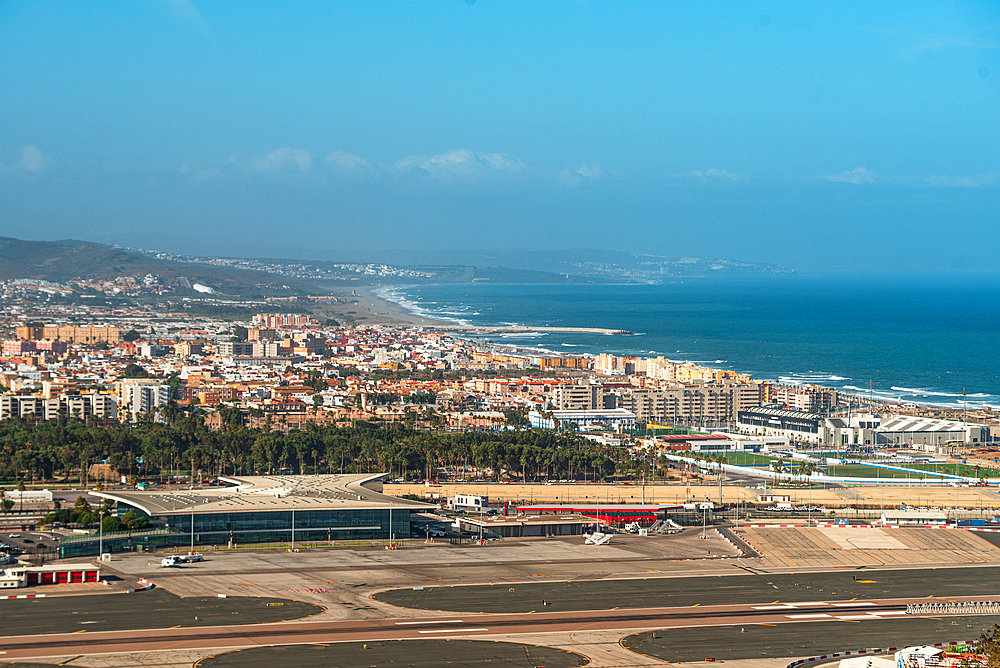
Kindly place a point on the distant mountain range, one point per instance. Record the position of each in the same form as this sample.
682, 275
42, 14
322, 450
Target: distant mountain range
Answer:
61, 261
592, 263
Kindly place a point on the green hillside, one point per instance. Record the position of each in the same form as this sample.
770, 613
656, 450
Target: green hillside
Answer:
60, 261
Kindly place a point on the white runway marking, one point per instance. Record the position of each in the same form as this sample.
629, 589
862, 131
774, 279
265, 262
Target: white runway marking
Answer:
809, 616
773, 607
452, 630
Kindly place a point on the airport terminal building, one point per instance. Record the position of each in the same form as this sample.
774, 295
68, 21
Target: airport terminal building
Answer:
256, 509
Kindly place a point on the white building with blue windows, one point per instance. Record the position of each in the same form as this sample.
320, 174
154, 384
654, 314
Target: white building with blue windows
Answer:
617, 419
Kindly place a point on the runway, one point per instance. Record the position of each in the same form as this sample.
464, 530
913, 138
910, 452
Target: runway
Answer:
465, 625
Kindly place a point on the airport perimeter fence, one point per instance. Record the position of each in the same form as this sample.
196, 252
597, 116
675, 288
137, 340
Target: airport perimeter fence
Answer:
954, 608
308, 545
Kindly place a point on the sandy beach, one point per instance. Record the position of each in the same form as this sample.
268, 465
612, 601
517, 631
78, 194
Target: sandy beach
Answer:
363, 306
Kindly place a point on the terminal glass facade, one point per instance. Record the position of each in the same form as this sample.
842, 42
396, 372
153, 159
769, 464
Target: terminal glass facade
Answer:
250, 527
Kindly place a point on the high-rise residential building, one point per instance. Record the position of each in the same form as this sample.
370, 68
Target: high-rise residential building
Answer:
142, 396
708, 404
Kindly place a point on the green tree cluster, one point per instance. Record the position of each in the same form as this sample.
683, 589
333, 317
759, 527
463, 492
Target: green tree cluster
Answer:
64, 449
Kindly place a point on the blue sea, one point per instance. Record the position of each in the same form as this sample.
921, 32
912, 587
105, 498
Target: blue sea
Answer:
919, 339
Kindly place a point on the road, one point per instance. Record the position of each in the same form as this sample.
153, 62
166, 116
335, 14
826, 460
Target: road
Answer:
82, 642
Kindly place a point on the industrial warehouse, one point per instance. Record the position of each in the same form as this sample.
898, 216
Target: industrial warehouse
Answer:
257, 509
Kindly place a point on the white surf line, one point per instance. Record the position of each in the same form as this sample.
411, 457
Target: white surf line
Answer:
443, 621
451, 630
809, 616
851, 604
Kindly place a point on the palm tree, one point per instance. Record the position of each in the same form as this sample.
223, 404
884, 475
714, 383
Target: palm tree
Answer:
20, 488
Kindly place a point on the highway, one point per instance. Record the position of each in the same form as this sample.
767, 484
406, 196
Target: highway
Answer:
83, 642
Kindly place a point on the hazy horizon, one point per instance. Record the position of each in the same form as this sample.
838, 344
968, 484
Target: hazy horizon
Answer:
822, 138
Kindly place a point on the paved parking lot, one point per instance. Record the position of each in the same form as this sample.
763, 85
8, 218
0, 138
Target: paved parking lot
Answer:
31, 542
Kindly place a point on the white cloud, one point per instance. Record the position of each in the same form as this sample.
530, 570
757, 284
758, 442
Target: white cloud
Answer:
460, 164
348, 162
185, 10
713, 173
964, 180
574, 177
282, 159
32, 159
591, 172
857, 176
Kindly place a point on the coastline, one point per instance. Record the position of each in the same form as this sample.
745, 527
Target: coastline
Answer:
370, 308
396, 312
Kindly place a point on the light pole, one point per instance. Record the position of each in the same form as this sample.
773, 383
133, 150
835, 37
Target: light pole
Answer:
100, 514
293, 528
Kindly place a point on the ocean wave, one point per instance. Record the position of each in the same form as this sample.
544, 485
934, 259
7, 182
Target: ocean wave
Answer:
398, 297
570, 345
926, 392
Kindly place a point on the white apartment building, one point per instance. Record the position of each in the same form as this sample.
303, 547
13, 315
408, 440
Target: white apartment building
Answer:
142, 396
82, 406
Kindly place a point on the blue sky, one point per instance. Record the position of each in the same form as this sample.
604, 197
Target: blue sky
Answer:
847, 136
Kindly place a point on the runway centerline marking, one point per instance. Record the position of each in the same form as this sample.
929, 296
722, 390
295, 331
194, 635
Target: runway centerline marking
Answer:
808, 616
451, 630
